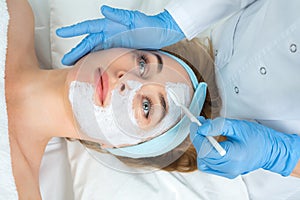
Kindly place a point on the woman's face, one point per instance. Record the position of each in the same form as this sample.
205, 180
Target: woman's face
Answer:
132, 85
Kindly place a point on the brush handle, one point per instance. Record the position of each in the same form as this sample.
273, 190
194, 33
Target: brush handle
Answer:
217, 146
211, 139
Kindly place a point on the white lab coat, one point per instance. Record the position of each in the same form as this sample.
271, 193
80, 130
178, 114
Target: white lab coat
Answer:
258, 69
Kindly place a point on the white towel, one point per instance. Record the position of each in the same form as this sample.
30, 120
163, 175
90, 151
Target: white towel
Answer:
7, 183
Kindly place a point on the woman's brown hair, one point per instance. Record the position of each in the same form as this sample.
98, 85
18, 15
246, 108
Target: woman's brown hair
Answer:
198, 55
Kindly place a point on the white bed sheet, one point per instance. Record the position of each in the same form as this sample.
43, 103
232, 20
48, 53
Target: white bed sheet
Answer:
68, 171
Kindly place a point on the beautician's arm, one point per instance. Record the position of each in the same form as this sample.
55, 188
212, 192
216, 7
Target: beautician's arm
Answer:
192, 16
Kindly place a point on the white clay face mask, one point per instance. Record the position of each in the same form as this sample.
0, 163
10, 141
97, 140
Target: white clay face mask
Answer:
115, 125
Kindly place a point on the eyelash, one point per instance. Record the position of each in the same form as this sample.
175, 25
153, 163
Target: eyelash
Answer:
150, 105
143, 58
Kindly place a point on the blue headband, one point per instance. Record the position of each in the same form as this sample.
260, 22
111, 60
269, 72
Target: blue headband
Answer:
174, 136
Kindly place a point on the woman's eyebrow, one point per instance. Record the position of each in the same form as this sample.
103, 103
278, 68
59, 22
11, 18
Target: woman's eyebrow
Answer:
162, 102
159, 61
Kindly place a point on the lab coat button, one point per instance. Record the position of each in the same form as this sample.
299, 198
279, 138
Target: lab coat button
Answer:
263, 71
216, 52
293, 48
236, 90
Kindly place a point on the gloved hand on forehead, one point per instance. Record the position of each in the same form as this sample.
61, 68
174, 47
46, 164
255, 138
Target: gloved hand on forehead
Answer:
249, 146
121, 28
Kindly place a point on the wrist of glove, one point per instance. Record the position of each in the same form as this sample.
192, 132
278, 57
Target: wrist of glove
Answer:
249, 146
285, 153
170, 22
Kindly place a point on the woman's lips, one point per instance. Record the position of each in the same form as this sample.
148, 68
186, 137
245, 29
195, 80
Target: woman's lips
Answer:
102, 86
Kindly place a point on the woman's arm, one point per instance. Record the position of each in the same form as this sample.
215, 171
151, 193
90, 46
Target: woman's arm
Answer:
20, 51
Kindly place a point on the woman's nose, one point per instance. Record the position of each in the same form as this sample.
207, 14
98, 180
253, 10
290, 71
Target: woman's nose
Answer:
120, 74
122, 87
118, 81
115, 77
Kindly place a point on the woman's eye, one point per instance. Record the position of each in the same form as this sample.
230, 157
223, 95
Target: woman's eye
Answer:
146, 106
142, 67
142, 62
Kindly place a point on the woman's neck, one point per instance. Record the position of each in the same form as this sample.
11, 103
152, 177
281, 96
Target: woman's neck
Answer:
50, 110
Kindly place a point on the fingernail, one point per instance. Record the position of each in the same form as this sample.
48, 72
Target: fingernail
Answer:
201, 119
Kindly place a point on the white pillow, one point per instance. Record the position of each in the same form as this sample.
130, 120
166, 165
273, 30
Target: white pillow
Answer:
41, 12
95, 179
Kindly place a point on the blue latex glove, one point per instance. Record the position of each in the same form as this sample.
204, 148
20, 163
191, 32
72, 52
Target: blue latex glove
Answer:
122, 28
249, 146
